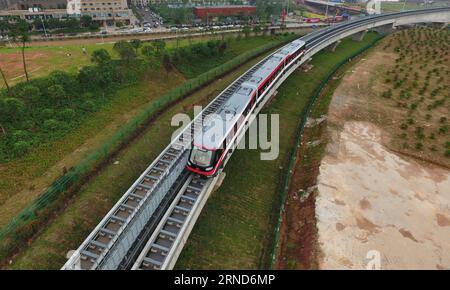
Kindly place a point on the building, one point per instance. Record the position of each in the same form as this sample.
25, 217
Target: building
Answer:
30, 15
141, 3
27, 4
216, 11
106, 12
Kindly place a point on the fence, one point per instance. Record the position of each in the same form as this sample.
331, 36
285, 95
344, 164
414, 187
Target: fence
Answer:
25, 223
301, 128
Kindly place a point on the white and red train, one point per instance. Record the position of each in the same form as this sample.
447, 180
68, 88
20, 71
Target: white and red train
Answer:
218, 137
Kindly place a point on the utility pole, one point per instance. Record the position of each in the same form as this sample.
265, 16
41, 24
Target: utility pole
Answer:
43, 25
283, 12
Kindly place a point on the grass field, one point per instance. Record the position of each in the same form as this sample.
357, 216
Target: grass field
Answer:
42, 60
97, 196
235, 229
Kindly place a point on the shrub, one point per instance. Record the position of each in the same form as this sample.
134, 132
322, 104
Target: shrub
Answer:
443, 129
56, 93
51, 125
66, 115
30, 93
20, 135
88, 106
47, 114
20, 148
419, 146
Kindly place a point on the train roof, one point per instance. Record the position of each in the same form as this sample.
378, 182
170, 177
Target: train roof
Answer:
272, 62
291, 47
265, 70
216, 126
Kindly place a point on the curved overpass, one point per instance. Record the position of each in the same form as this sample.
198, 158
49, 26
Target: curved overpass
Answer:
117, 241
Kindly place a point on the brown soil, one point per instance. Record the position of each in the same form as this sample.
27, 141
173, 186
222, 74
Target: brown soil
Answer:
392, 200
298, 232
14, 65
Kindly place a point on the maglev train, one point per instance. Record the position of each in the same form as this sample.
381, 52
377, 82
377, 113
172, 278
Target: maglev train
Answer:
214, 143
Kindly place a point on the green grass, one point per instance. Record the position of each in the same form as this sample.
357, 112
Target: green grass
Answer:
97, 196
194, 67
235, 229
42, 60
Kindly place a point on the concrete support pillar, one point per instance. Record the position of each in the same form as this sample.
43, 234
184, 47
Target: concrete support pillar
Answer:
359, 36
332, 47
385, 29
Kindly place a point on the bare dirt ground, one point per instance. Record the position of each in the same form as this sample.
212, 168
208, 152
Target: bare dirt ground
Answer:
371, 198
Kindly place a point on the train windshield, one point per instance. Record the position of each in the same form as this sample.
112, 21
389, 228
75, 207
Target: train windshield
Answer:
201, 156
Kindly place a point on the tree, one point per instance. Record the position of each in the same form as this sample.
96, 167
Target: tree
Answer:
19, 34
56, 93
246, 31
4, 26
125, 50
11, 110
4, 79
86, 21
136, 44
159, 45
30, 93
167, 63
256, 29
100, 56
265, 30
148, 51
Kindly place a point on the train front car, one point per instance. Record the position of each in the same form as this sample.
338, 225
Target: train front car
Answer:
202, 160
217, 138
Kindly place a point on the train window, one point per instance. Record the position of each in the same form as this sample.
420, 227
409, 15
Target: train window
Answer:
219, 154
201, 157
247, 109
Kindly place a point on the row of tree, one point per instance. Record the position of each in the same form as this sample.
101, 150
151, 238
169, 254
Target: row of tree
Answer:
50, 24
46, 108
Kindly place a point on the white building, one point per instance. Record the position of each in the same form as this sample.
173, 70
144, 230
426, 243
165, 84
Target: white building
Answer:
74, 7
